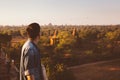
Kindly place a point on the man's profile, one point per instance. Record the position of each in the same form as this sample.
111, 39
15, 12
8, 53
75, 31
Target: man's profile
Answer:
30, 64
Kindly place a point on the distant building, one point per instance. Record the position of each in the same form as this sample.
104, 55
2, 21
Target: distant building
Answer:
53, 39
75, 33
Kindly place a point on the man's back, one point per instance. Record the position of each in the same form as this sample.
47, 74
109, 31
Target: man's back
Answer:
30, 61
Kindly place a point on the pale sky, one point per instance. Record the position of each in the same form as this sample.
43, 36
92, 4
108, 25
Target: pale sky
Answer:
80, 12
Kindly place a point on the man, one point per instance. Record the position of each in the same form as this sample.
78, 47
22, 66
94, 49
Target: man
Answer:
30, 65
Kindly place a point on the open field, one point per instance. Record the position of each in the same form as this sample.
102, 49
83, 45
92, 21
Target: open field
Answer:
105, 70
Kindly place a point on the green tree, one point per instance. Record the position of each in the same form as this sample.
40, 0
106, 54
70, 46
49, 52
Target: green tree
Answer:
66, 41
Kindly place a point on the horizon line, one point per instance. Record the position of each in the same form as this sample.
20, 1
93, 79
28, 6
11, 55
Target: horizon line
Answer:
60, 24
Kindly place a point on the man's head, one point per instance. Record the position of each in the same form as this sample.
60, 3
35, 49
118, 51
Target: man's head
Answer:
33, 30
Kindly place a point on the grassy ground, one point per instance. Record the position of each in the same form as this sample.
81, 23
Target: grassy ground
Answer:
3, 71
105, 70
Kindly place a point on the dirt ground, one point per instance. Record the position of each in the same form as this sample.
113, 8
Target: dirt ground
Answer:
105, 70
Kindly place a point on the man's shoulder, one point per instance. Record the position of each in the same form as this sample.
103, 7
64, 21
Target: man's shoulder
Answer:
28, 46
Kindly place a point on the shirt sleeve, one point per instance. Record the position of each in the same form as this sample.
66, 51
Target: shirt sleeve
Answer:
29, 63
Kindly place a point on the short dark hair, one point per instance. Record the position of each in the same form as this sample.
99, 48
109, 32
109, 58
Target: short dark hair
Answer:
33, 30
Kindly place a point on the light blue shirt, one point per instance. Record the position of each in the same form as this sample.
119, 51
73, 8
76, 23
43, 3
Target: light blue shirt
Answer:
30, 61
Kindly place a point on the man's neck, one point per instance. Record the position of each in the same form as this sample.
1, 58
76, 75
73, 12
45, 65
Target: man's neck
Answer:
34, 41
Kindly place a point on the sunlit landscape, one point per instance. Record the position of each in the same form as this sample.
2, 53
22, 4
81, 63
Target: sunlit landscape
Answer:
79, 39
67, 50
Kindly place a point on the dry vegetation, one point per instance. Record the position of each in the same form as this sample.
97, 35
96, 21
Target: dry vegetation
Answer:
67, 46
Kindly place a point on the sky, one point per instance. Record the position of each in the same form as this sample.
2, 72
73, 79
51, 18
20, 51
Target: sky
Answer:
58, 12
